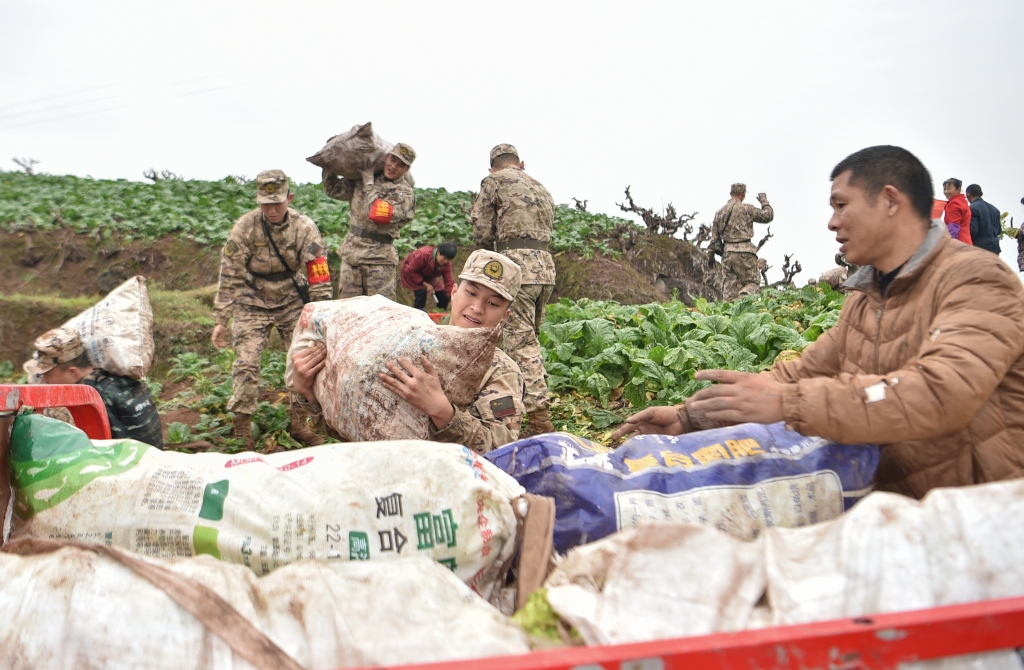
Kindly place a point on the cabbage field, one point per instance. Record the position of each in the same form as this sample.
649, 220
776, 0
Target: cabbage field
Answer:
605, 360
203, 211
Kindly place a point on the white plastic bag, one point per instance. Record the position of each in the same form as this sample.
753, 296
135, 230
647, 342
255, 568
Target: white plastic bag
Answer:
118, 331
364, 333
658, 581
336, 502
75, 608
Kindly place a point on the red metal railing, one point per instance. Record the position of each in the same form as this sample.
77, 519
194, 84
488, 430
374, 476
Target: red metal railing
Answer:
876, 643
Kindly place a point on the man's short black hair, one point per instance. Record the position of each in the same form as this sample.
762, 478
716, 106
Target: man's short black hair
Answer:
81, 362
974, 191
447, 249
501, 160
955, 182
875, 168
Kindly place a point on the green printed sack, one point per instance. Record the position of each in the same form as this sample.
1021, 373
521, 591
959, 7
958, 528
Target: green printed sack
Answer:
337, 502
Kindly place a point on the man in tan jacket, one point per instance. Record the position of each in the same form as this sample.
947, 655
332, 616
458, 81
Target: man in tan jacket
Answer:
927, 358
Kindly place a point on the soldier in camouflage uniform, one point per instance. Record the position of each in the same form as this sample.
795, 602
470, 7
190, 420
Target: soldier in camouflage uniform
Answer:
489, 285
734, 225
60, 358
377, 213
514, 215
273, 262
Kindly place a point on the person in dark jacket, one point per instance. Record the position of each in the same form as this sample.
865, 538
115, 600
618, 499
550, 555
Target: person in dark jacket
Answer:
60, 358
429, 270
985, 226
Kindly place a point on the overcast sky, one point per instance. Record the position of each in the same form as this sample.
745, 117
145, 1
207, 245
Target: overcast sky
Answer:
677, 99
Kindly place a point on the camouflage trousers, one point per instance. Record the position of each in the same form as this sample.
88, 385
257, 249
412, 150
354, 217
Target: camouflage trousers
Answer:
519, 341
251, 332
357, 280
741, 276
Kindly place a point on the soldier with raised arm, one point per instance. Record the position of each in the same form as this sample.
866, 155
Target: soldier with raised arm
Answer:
377, 213
734, 226
514, 215
272, 264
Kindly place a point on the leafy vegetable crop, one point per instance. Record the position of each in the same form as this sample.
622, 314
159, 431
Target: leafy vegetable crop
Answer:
205, 210
648, 354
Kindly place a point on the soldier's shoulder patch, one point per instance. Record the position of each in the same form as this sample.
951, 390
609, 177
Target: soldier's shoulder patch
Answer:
502, 407
231, 248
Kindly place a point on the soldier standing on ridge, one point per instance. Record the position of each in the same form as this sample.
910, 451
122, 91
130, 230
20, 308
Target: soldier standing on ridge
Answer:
377, 213
514, 215
272, 264
734, 227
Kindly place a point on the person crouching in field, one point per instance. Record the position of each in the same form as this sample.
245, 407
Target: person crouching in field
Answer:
483, 299
927, 359
429, 270
60, 358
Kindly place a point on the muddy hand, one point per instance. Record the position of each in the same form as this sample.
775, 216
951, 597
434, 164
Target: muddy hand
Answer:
220, 336
652, 421
740, 397
420, 388
306, 363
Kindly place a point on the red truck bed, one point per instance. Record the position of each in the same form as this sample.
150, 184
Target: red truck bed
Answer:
877, 642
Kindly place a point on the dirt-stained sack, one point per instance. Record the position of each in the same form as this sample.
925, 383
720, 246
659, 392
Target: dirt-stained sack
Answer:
364, 333
118, 331
336, 502
75, 607
357, 153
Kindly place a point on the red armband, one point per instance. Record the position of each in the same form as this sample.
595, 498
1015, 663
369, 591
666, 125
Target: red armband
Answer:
317, 272
381, 211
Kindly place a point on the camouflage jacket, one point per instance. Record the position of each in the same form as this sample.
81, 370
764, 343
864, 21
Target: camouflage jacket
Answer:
494, 418
734, 225
251, 273
357, 250
512, 205
130, 407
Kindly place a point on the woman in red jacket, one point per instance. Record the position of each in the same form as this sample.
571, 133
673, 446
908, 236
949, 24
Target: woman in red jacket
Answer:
429, 270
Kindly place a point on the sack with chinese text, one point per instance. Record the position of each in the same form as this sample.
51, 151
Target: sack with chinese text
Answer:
363, 334
336, 502
117, 332
741, 479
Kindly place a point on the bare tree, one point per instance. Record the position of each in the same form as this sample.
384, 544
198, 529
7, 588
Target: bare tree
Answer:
27, 164
155, 176
768, 235
665, 224
788, 272
703, 235
581, 205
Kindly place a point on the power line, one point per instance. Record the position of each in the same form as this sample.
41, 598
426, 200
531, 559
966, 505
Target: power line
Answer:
117, 109
56, 108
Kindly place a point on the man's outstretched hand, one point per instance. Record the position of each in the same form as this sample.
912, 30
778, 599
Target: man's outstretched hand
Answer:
306, 363
652, 421
740, 397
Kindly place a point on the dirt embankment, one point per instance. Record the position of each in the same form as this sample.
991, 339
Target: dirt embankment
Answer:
48, 277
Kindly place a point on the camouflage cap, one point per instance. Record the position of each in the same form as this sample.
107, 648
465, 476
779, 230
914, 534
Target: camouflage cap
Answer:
54, 347
737, 188
404, 153
271, 187
503, 149
495, 271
